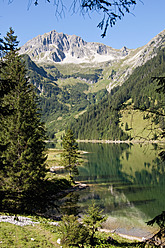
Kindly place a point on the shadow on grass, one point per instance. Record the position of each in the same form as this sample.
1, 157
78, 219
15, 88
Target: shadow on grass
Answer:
35, 201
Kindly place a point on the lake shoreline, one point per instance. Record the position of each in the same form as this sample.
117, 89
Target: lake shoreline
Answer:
126, 236
139, 234
144, 236
121, 141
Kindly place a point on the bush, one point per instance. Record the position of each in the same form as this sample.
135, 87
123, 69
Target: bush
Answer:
72, 232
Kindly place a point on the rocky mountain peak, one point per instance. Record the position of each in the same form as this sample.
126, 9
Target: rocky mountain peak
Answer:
60, 47
54, 47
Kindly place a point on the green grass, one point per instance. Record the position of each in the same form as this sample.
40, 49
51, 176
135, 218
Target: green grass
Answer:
45, 235
28, 236
138, 127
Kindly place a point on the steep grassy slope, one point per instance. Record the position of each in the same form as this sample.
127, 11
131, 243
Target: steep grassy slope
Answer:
138, 124
102, 121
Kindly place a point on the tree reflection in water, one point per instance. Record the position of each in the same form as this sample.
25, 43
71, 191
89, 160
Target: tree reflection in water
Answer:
125, 180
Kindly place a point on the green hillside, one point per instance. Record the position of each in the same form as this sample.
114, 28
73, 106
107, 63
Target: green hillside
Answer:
75, 95
65, 91
107, 119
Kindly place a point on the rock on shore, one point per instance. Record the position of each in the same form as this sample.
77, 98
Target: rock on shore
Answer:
17, 220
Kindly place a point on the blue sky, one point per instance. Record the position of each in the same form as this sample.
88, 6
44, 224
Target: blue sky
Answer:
132, 31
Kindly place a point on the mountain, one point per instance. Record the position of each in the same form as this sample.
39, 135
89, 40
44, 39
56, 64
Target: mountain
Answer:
128, 111
71, 74
59, 48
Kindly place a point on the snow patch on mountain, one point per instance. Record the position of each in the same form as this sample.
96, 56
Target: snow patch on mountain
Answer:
62, 48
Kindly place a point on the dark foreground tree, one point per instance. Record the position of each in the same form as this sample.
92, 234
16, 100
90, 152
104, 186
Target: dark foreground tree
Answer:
158, 239
23, 168
70, 154
5, 87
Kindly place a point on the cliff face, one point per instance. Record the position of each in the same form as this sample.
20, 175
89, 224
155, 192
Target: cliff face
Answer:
59, 47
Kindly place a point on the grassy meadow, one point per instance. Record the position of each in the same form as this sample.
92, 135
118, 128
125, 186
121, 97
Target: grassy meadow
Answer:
139, 127
46, 235
39, 235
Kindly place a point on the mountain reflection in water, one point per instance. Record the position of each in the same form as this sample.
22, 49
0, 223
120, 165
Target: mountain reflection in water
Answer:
126, 181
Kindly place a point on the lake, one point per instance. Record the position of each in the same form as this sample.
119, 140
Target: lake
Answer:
126, 181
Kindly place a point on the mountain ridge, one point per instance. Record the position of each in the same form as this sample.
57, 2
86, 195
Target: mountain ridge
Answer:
68, 90
59, 48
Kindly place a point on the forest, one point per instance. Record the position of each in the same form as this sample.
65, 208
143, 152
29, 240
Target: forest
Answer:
66, 99
102, 120
60, 102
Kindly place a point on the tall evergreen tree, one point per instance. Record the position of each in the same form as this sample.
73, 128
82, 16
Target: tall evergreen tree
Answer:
5, 87
70, 154
23, 165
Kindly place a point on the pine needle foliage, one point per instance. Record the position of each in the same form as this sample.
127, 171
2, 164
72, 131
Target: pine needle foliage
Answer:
23, 167
81, 234
70, 154
158, 239
92, 220
72, 232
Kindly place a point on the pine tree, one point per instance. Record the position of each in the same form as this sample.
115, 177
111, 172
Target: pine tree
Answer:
23, 165
70, 154
5, 88
93, 221
72, 232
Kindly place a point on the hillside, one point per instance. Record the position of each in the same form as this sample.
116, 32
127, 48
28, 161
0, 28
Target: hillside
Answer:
107, 120
69, 87
62, 96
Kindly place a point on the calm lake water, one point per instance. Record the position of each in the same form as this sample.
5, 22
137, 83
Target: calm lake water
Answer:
126, 181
